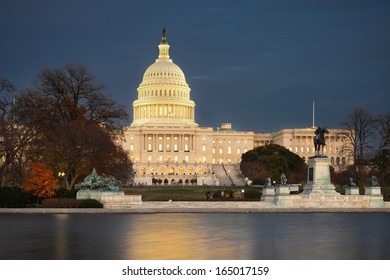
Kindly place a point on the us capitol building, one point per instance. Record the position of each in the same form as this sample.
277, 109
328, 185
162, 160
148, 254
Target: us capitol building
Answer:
167, 146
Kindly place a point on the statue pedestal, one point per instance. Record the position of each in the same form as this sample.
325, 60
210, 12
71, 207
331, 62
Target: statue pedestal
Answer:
268, 194
283, 197
318, 178
375, 196
351, 191
282, 190
96, 194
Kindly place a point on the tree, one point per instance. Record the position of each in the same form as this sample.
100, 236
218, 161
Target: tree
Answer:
382, 158
271, 161
14, 138
6, 85
384, 131
76, 124
360, 131
41, 181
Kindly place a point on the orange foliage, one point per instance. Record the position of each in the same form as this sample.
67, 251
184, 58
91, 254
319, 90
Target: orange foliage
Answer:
41, 181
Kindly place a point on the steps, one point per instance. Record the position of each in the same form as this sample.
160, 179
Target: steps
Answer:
228, 174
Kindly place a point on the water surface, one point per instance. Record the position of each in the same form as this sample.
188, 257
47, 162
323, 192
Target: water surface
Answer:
283, 236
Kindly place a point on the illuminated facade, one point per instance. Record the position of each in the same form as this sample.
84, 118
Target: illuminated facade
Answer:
166, 145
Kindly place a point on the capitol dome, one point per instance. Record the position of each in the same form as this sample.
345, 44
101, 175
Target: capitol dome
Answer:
164, 95
164, 73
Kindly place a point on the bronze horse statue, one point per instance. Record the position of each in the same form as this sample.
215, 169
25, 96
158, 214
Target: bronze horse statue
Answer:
319, 140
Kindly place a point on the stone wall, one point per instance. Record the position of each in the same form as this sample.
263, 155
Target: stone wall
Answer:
121, 201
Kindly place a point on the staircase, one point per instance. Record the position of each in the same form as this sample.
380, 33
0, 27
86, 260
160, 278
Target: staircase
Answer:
228, 174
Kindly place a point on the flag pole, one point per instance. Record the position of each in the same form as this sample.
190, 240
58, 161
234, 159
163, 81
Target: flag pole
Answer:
313, 114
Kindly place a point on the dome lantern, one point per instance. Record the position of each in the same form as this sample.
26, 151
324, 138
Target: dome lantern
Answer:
164, 48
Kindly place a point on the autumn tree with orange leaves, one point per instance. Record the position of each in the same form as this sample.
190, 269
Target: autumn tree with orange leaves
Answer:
41, 181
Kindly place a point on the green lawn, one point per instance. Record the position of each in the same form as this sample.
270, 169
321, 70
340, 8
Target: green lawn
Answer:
189, 194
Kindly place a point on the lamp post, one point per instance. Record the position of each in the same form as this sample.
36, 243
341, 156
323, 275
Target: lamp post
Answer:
61, 175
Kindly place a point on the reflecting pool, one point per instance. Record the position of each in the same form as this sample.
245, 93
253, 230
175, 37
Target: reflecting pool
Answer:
279, 236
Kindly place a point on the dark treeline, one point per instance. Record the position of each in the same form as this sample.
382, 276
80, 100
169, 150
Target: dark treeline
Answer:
65, 120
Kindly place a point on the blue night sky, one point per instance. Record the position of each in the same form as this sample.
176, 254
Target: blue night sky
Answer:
256, 64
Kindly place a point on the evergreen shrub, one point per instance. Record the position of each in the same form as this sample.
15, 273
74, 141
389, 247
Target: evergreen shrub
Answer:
90, 203
61, 203
14, 197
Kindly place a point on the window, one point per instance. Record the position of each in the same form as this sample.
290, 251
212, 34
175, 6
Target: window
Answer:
131, 147
160, 147
149, 147
204, 148
229, 150
220, 150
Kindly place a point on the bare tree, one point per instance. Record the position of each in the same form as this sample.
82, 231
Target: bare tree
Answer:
384, 131
74, 121
360, 131
382, 158
14, 138
6, 85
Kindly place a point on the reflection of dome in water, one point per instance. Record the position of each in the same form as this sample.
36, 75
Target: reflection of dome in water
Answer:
163, 95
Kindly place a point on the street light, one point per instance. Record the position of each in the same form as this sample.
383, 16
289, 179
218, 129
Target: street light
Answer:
61, 175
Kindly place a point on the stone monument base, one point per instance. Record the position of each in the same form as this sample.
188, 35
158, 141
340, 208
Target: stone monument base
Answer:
319, 192
96, 194
283, 197
375, 196
318, 178
111, 199
351, 191
268, 194
121, 201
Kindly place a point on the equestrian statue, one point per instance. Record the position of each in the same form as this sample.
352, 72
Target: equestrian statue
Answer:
319, 140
